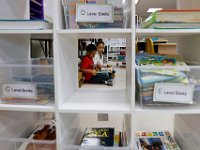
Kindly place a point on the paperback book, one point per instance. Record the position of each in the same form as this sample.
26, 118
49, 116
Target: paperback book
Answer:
156, 140
98, 137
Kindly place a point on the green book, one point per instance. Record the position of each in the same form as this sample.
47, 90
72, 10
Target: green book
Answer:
173, 19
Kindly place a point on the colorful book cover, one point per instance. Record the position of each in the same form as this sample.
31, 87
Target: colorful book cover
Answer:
156, 141
155, 60
98, 137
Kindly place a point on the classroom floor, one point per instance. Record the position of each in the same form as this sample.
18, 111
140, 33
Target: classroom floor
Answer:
119, 81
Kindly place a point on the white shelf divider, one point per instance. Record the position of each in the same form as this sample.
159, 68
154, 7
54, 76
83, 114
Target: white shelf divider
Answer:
32, 108
49, 31
101, 101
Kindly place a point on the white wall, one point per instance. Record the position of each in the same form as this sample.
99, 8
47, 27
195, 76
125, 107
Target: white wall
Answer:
188, 4
188, 46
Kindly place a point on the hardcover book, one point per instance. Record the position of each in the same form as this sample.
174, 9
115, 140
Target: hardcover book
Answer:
173, 19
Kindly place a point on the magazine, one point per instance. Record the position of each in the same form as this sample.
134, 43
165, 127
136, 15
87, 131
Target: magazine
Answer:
156, 141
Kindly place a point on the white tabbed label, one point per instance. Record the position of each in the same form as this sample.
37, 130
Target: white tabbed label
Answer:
94, 13
19, 90
173, 92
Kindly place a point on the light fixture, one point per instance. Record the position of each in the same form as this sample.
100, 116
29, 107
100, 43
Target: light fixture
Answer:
150, 10
136, 1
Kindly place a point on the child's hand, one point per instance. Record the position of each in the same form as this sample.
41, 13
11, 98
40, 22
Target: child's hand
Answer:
109, 66
94, 72
99, 66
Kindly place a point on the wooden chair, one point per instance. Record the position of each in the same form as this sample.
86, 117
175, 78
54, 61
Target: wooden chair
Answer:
149, 46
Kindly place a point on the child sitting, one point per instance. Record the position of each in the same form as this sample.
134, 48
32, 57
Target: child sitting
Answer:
98, 59
88, 68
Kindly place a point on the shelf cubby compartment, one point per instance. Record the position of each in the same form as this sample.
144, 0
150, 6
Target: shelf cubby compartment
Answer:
185, 75
25, 75
72, 126
183, 42
102, 97
183, 127
121, 11
17, 130
27, 11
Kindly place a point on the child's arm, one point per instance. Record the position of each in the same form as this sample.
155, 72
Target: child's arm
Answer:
92, 71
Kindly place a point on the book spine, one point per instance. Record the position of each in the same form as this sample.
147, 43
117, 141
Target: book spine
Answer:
150, 20
120, 139
36, 10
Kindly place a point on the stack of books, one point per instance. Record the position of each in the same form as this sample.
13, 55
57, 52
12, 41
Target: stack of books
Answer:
152, 69
119, 14
173, 19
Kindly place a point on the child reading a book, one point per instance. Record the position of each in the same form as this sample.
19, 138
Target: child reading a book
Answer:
91, 72
98, 59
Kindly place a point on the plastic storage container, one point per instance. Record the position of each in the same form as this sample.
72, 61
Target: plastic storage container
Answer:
28, 81
73, 127
148, 77
183, 128
17, 131
120, 14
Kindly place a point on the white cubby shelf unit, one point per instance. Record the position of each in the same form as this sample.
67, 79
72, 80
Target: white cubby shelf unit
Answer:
75, 108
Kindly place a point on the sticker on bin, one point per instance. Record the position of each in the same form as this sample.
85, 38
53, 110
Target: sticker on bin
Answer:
94, 13
19, 91
173, 93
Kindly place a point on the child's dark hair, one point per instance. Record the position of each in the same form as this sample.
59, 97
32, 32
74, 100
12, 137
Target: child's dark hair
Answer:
90, 48
100, 41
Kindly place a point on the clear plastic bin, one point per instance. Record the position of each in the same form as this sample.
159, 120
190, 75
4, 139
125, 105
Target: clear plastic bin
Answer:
73, 127
17, 131
37, 72
121, 14
147, 77
183, 128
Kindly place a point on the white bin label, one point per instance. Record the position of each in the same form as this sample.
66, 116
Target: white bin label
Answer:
173, 92
19, 90
94, 13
